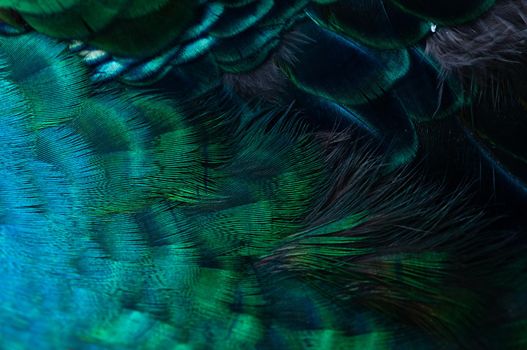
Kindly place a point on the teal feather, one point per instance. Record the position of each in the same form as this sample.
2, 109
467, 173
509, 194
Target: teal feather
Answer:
191, 215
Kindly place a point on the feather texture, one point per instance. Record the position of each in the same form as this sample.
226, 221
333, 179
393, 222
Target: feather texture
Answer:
150, 197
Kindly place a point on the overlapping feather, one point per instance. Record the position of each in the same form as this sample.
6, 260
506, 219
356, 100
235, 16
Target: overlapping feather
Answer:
133, 221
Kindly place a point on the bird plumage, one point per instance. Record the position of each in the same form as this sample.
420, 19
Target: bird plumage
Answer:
240, 175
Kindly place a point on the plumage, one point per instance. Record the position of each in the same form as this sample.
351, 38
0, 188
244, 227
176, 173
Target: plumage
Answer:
256, 174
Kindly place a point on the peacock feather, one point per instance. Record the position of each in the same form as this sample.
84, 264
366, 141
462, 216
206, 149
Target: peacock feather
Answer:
255, 174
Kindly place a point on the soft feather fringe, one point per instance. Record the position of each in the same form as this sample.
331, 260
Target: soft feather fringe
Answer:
491, 43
